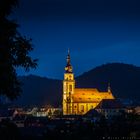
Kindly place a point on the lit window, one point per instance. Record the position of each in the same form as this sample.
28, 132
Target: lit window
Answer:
70, 87
82, 108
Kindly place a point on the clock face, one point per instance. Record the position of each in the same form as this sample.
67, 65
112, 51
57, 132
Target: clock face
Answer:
69, 68
66, 68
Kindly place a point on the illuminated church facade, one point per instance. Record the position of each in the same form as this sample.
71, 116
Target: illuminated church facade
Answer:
78, 101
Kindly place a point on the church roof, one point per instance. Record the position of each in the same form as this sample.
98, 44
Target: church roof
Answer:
109, 104
87, 89
89, 95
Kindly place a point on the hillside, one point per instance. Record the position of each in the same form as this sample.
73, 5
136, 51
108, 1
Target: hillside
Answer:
124, 80
40, 91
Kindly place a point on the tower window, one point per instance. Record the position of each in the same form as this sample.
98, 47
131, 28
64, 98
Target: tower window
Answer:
70, 87
66, 86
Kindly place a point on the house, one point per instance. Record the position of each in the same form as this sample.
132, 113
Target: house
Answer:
92, 115
6, 113
110, 108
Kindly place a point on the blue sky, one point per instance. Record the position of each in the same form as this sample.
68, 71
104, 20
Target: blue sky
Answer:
97, 32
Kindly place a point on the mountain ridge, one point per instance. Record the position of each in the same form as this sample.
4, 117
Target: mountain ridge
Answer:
124, 80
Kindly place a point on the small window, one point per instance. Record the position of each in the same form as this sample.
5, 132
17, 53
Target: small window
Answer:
91, 106
70, 87
82, 108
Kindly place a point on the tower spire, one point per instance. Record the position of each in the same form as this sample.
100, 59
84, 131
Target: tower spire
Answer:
68, 51
68, 58
109, 88
68, 68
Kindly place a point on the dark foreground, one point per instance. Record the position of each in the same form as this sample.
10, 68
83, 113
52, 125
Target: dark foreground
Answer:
119, 128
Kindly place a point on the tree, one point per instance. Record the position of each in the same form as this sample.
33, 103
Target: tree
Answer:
14, 51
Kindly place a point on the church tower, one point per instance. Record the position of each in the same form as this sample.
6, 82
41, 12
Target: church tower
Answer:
68, 88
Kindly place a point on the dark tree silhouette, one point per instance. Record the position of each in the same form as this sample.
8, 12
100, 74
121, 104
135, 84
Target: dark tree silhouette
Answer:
14, 51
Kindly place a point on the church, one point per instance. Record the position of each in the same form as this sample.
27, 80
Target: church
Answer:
78, 101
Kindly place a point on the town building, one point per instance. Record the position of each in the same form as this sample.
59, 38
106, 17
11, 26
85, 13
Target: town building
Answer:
78, 101
110, 108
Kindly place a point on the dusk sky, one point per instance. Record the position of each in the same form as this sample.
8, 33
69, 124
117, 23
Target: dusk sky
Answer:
96, 32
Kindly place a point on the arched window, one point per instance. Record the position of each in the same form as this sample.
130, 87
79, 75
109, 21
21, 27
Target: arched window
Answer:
70, 77
82, 108
91, 107
70, 87
66, 86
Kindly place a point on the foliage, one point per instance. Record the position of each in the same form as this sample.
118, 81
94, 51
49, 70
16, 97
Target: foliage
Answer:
8, 130
14, 51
